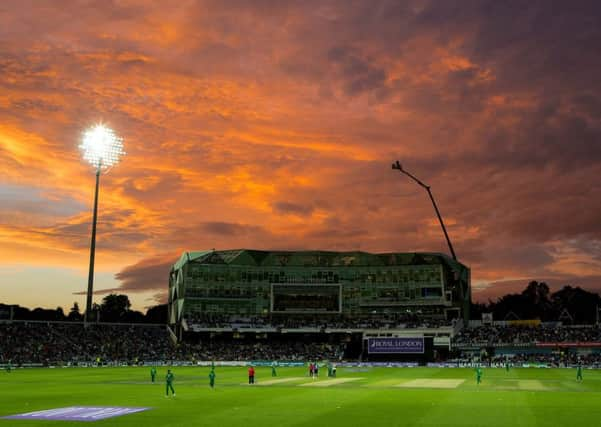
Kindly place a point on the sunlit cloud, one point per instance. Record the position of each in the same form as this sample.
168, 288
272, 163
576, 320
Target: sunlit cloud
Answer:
273, 125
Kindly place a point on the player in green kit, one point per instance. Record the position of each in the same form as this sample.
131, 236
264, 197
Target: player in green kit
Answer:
478, 375
9, 366
579, 372
507, 366
273, 371
153, 373
169, 383
212, 378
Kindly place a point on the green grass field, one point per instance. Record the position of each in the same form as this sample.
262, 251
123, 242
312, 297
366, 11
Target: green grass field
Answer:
367, 397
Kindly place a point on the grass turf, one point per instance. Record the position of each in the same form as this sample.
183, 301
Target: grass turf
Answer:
378, 397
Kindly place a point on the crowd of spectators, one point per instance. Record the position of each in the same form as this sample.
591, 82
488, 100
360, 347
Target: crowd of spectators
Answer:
72, 343
552, 359
288, 351
196, 322
50, 343
526, 335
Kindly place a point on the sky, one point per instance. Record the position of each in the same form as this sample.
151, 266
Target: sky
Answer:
273, 125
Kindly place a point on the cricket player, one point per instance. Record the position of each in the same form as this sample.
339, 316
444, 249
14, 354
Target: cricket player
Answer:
507, 366
153, 374
169, 383
273, 371
251, 375
579, 372
478, 375
212, 378
333, 370
9, 366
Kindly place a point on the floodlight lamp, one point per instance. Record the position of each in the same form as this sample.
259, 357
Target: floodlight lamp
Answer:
101, 147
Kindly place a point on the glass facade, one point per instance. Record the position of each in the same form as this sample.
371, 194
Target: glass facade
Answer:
262, 283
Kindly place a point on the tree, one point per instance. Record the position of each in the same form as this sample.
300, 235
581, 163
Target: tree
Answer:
157, 314
537, 301
21, 313
133, 316
39, 313
580, 304
114, 308
74, 313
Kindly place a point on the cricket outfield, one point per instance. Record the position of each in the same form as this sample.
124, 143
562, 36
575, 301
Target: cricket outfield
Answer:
357, 397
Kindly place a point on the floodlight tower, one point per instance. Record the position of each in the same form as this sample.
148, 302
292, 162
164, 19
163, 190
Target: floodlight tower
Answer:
102, 148
397, 166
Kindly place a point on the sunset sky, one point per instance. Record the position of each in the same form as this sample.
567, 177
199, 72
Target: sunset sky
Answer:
273, 125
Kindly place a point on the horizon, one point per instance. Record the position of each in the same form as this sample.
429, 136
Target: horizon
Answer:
273, 125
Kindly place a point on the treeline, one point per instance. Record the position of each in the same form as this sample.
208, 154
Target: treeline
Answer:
536, 301
113, 308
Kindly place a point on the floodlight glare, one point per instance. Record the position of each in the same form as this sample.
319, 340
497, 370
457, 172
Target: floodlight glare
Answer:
101, 147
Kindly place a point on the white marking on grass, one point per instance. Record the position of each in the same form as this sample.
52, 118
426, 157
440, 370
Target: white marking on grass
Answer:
279, 380
432, 383
328, 383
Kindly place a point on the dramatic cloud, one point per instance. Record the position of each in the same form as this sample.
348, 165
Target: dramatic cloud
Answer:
146, 275
273, 124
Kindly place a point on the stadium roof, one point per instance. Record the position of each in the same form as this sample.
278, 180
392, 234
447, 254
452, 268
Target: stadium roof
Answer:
259, 258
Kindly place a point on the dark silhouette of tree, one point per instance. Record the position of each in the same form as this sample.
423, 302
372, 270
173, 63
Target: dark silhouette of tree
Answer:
74, 313
5, 312
580, 304
157, 314
132, 316
114, 308
46, 314
535, 302
477, 309
21, 313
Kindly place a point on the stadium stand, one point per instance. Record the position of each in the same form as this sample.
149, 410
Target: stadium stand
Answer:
524, 335
70, 343
63, 343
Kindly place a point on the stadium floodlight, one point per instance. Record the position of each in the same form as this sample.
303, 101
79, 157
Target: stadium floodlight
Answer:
397, 166
102, 148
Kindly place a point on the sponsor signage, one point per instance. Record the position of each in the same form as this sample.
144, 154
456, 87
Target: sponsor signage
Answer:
404, 345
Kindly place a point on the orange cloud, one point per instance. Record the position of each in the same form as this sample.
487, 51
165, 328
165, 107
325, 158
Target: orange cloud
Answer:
274, 126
